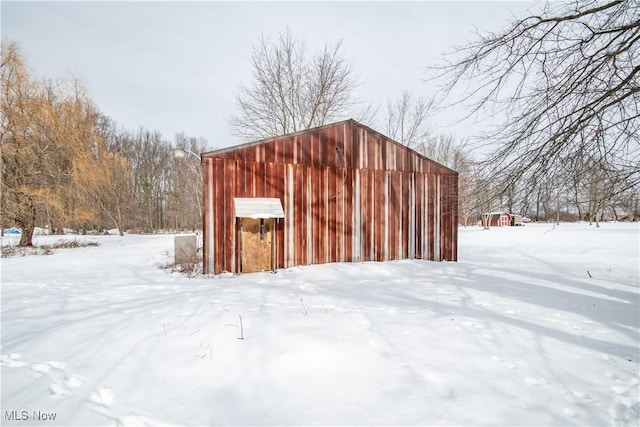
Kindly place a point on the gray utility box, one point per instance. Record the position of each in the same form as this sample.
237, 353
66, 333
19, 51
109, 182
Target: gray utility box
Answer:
186, 248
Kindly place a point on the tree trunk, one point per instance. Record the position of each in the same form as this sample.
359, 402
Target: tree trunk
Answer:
576, 199
117, 220
120, 230
486, 221
579, 207
27, 223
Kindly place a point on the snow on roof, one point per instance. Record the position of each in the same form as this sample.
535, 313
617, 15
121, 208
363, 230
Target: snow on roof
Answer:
258, 207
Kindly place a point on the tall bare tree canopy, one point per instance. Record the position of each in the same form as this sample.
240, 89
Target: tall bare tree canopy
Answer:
407, 119
292, 89
566, 83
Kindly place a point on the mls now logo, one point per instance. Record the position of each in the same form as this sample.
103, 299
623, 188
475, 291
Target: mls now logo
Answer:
26, 415
16, 415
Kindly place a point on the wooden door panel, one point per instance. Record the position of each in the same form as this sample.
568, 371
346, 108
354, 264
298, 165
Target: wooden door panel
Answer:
256, 244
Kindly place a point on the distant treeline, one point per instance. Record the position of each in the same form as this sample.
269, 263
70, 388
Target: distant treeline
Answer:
66, 165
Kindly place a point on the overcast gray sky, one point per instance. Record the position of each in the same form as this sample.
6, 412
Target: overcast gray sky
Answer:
173, 66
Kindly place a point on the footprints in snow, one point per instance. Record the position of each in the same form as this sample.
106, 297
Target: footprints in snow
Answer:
531, 380
67, 386
504, 362
11, 360
535, 380
439, 385
62, 382
102, 397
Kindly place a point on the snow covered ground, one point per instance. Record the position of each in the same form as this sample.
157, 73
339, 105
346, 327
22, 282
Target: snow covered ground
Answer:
516, 333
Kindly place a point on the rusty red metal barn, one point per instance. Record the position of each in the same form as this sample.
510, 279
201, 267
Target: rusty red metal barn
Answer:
337, 193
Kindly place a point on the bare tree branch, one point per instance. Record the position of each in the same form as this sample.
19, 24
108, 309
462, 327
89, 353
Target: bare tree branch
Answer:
565, 85
291, 89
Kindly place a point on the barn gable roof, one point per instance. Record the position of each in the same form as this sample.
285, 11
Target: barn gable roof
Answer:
224, 152
497, 215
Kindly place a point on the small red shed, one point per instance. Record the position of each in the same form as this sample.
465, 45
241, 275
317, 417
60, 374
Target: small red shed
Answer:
500, 219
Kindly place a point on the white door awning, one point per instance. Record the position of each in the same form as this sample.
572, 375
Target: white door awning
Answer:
258, 207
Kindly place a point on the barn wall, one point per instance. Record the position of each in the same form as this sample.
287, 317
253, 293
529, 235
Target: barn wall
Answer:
348, 194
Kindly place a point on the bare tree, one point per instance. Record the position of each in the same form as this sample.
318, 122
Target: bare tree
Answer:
456, 155
114, 195
292, 89
185, 181
367, 114
150, 159
566, 83
407, 120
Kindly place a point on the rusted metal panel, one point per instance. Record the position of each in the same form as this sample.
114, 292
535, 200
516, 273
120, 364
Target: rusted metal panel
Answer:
329, 215
419, 217
348, 192
229, 231
411, 236
299, 223
304, 151
430, 215
289, 202
278, 189
377, 220
377, 237
338, 236
334, 147
404, 217
324, 148
218, 214
447, 214
207, 217
332, 215
393, 206
361, 188
437, 251
249, 179
452, 203
347, 221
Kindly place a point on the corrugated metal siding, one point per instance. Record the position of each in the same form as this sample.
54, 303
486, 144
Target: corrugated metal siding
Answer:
349, 194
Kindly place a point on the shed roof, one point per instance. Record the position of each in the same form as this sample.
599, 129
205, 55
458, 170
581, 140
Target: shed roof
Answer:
271, 139
258, 207
496, 215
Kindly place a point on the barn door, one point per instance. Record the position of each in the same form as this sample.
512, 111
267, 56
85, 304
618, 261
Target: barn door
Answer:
257, 250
